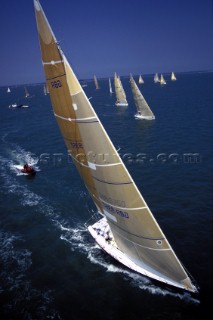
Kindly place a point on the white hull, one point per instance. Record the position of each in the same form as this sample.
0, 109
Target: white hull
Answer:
121, 104
138, 116
98, 232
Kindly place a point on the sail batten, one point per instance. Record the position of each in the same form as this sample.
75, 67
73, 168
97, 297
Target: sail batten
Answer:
136, 233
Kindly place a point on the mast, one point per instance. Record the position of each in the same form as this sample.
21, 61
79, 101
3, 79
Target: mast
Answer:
143, 110
106, 178
119, 92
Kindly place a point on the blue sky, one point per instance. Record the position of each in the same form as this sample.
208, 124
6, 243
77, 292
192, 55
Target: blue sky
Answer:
103, 36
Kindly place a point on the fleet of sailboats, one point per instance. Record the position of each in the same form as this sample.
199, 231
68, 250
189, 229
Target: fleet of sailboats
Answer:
143, 110
127, 229
119, 92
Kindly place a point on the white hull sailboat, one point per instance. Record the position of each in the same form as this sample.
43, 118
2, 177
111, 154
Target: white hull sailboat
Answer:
143, 110
173, 77
119, 92
127, 230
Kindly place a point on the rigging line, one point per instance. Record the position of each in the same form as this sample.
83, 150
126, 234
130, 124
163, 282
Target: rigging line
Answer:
81, 120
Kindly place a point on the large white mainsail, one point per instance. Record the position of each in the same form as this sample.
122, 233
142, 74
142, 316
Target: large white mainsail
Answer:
143, 110
134, 233
119, 92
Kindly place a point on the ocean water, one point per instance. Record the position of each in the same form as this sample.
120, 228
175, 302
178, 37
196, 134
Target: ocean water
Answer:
50, 267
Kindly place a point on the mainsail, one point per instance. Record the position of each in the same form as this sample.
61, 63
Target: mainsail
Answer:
119, 92
173, 77
136, 233
143, 110
96, 82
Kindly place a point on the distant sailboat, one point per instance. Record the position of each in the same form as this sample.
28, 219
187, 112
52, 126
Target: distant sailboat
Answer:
156, 78
140, 80
143, 110
96, 82
26, 92
110, 86
127, 230
45, 89
8, 90
173, 77
120, 93
162, 80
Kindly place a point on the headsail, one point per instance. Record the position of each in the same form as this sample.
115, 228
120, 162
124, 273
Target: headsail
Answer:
144, 111
135, 231
120, 93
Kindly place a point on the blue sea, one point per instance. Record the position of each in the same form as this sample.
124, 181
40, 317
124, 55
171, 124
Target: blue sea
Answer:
50, 267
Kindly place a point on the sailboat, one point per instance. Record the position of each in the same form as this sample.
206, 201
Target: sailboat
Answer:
26, 92
45, 89
173, 77
156, 78
8, 90
110, 86
143, 110
96, 82
140, 80
119, 92
162, 80
127, 229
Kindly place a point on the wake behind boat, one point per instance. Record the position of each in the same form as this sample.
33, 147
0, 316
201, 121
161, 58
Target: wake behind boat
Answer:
127, 230
15, 105
27, 169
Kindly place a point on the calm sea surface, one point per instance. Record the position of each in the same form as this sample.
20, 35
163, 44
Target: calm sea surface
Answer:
50, 267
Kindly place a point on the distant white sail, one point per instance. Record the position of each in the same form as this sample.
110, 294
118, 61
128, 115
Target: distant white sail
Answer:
110, 86
140, 80
143, 110
119, 92
26, 92
96, 82
162, 80
156, 78
173, 77
8, 90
